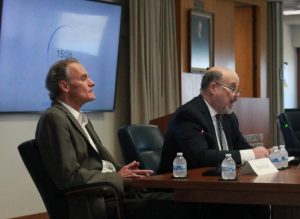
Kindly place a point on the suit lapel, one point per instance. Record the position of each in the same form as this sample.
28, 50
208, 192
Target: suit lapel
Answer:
78, 127
105, 153
206, 115
72, 119
95, 138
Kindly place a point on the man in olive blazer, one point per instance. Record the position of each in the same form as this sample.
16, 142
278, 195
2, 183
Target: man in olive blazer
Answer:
71, 160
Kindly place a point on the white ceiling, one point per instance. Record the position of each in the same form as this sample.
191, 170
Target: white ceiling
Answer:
291, 4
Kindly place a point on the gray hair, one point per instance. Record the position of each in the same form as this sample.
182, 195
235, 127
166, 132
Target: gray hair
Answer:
56, 73
210, 76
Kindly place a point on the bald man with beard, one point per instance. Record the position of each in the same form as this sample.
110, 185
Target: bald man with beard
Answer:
193, 130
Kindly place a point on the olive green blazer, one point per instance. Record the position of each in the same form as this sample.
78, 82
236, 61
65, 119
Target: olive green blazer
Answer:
71, 160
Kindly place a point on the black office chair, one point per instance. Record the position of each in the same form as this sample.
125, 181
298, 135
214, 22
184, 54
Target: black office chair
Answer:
53, 198
289, 123
142, 143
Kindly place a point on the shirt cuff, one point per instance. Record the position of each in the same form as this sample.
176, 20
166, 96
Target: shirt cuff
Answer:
247, 155
107, 167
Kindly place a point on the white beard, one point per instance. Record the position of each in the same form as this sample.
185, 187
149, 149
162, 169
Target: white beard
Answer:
227, 110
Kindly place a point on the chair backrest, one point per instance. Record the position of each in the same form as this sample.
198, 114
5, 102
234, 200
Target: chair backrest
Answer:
142, 143
53, 198
289, 123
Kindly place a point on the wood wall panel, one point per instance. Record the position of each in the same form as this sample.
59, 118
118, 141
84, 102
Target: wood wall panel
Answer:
261, 49
224, 36
244, 57
223, 31
253, 115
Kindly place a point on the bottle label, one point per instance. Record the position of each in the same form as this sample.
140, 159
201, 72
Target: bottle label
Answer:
229, 169
276, 160
179, 167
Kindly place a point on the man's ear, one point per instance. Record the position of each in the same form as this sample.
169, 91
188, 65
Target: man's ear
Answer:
212, 87
63, 85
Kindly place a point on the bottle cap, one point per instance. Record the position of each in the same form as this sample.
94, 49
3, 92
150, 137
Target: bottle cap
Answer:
227, 155
179, 153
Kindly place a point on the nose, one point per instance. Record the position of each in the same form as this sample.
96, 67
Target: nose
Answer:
236, 95
91, 83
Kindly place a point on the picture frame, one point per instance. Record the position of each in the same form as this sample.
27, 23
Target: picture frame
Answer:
201, 41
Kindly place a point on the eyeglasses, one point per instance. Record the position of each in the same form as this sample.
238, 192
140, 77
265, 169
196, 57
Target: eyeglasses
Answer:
234, 90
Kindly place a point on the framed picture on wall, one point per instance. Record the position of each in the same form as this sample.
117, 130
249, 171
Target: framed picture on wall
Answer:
201, 40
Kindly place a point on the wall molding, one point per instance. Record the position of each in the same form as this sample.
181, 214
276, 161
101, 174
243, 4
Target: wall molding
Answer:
43, 215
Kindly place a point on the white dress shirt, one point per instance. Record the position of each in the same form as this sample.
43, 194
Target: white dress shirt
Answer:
83, 121
246, 154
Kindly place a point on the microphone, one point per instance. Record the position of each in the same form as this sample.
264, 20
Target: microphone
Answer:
216, 171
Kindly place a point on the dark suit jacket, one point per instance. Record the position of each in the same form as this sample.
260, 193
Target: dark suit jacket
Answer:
191, 131
70, 159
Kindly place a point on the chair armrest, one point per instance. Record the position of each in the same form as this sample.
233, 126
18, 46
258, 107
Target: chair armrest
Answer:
104, 188
100, 188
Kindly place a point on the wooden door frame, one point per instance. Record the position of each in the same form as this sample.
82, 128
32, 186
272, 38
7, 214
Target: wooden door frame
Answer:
298, 76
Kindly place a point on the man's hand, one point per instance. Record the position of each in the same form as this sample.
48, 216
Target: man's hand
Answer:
261, 152
132, 170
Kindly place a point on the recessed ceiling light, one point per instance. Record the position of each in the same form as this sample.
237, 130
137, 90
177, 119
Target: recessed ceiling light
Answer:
293, 12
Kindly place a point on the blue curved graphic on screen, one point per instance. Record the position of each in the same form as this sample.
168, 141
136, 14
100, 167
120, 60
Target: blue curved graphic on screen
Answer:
53, 36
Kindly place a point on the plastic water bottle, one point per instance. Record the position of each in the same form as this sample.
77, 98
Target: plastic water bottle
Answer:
228, 168
284, 157
179, 166
275, 157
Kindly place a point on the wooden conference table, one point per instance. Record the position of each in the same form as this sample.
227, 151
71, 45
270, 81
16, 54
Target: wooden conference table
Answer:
280, 190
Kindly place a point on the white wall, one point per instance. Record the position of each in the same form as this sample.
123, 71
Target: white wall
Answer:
290, 69
291, 41
15, 185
